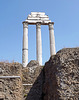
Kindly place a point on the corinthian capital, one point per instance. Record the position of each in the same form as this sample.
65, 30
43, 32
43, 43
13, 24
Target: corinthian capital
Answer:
38, 25
25, 25
51, 24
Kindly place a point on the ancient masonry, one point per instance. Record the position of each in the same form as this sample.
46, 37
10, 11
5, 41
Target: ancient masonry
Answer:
58, 79
38, 19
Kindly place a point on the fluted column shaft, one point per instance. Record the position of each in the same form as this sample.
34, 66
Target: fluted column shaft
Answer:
38, 43
52, 39
25, 45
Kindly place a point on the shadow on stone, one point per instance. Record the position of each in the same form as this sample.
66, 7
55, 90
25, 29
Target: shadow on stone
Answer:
59, 79
35, 92
50, 85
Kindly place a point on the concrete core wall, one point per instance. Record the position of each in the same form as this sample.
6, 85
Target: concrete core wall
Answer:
58, 79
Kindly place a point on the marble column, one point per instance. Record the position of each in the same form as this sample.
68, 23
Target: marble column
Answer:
38, 43
25, 45
52, 39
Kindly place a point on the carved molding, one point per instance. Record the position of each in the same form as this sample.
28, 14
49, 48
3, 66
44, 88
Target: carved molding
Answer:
25, 25
51, 26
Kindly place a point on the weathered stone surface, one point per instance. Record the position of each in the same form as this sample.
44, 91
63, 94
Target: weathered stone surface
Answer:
11, 89
36, 17
62, 76
32, 74
57, 80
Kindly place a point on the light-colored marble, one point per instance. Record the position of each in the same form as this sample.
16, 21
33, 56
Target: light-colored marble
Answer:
25, 45
35, 17
27, 84
52, 39
1, 77
38, 19
38, 43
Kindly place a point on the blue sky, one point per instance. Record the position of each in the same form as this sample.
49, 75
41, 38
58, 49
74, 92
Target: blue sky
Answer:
64, 13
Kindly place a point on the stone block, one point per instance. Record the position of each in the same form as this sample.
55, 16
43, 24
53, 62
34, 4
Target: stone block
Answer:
2, 96
1, 86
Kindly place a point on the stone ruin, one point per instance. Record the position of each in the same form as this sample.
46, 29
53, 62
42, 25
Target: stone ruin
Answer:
38, 19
